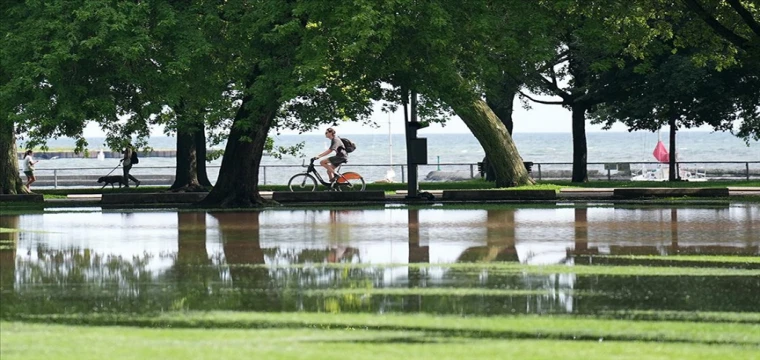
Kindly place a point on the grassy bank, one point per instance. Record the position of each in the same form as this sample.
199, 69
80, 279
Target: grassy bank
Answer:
458, 185
55, 194
653, 184
507, 267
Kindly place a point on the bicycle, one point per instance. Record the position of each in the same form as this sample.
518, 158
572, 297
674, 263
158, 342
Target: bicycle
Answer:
307, 181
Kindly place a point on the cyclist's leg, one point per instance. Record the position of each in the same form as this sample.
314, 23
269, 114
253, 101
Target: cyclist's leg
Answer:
327, 164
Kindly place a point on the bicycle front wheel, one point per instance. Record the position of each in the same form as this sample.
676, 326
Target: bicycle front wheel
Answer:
302, 182
351, 182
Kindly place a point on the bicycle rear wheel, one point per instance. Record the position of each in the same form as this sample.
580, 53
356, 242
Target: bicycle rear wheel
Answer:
350, 181
302, 182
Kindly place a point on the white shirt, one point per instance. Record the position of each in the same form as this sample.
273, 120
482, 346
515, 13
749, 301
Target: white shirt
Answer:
127, 157
28, 163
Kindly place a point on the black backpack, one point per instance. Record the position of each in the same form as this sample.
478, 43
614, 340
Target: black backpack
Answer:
348, 145
133, 159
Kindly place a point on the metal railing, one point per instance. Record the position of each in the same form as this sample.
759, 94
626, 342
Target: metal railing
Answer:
277, 174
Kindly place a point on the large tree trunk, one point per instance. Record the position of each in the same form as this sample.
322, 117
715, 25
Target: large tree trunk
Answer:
580, 148
200, 155
672, 166
186, 174
579, 69
238, 183
10, 181
501, 99
496, 141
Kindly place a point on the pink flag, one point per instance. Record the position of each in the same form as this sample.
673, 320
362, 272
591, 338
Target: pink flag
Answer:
661, 153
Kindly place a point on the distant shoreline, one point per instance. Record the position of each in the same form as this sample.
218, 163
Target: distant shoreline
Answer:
66, 154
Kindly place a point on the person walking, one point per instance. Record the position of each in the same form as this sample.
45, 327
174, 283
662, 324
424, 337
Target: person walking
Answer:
29, 168
126, 163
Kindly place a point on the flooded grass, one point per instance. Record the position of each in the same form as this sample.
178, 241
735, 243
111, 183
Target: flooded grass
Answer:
691, 316
419, 291
501, 267
387, 282
695, 258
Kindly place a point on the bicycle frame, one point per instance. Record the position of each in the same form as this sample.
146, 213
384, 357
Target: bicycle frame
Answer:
311, 169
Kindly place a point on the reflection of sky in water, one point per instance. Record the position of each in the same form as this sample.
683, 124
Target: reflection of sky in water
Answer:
386, 236
382, 236
538, 236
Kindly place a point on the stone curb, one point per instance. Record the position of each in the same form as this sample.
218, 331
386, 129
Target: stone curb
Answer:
328, 196
152, 198
36, 198
490, 195
634, 193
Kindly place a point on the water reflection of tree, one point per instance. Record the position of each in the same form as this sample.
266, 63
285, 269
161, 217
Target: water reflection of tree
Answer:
690, 293
338, 250
416, 276
8, 244
192, 274
500, 246
241, 243
191, 239
340, 236
682, 293
81, 280
582, 253
500, 239
78, 280
266, 288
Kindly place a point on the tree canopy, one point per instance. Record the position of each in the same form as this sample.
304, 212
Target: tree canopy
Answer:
240, 68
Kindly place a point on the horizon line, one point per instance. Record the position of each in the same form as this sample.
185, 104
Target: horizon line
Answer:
451, 133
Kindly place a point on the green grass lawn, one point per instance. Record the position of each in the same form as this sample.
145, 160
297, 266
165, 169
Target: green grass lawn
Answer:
677, 184
220, 335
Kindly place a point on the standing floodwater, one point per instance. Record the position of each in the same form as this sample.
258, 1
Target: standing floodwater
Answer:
437, 260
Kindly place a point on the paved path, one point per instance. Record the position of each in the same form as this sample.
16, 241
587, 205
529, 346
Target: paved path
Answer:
399, 196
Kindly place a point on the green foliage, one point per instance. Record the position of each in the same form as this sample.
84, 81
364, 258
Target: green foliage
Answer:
280, 151
72, 62
698, 61
129, 65
675, 88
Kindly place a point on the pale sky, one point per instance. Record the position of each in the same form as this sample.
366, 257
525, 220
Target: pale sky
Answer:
540, 118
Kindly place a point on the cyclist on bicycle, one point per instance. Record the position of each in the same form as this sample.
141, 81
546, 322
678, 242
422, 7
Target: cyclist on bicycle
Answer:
340, 157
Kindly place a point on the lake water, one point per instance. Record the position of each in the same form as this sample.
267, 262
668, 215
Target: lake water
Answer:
388, 259
448, 149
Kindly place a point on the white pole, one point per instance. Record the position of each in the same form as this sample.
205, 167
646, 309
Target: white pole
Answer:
676, 147
390, 141
390, 174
